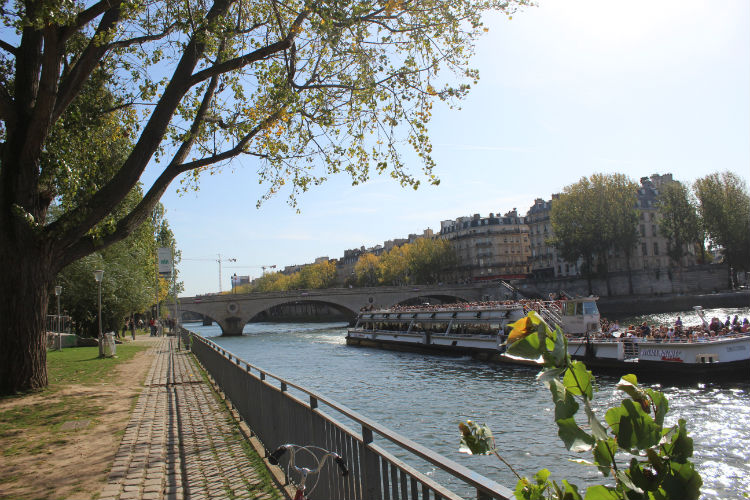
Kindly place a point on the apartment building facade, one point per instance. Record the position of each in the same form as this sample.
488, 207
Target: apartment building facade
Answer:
493, 247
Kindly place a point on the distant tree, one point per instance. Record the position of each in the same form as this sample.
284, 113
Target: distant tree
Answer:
430, 260
320, 275
394, 266
679, 222
308, 89
270, 282
724, 206
128, 285
593, 217
367, 270
621, 196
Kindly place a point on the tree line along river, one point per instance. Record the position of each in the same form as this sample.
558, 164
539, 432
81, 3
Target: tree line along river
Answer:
425, 396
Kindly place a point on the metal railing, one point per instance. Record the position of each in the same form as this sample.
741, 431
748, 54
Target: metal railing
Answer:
277, 417
57, 323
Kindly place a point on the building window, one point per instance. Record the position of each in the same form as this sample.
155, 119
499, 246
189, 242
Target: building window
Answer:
643, 230
653, 230
656, 248
644, 248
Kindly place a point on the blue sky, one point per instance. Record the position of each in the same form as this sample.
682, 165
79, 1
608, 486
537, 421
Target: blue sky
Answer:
568, 88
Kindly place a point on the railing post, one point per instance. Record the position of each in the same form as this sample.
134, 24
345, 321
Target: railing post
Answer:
481, 495
370, 467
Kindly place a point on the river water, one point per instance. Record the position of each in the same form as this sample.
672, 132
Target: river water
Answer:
424, 397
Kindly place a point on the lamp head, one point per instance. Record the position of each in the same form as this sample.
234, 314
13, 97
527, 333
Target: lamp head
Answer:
98, 275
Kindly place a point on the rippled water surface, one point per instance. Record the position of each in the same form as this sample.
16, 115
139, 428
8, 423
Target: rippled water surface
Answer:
424, 397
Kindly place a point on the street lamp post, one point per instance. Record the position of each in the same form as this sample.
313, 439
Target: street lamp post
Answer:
58, 292
98, 274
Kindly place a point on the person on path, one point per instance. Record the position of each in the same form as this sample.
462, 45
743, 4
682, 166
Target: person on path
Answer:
132, 328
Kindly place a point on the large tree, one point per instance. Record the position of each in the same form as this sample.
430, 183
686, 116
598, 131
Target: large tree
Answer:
678, 220
594, 217
724, 206
307, 88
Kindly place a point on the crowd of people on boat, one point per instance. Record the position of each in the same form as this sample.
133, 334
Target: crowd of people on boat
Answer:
676, 331
528, 304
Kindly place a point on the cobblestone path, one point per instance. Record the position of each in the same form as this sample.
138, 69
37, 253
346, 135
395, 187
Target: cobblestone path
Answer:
180, 443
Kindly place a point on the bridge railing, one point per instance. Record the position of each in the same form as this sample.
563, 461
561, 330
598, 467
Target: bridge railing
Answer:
277, 417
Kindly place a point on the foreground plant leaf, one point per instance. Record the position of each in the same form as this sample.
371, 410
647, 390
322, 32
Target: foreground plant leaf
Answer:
476, 439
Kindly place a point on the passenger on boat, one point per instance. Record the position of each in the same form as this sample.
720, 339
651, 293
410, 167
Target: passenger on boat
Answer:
715, 325
645, 330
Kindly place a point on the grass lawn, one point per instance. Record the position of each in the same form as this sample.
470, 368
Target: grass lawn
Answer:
82, 365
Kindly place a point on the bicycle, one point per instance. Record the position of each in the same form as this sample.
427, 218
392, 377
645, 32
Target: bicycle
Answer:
319, 457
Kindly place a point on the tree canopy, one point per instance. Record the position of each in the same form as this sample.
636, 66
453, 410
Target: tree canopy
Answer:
724, 207
679, 221
306, 89
594, 216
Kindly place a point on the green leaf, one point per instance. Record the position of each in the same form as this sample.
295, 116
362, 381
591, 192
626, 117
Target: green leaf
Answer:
578, 380
683, 482
542, 476
476, 439
680, 448
597, 429
565, 404
527, 491
570, 491
627, 482
548, 374
660, 403
529, 347
575, 438
560, 351
646, 478
600, 492
604, 453
633, 428
629, 385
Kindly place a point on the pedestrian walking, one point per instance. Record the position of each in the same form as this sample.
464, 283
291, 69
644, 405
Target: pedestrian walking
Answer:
132, 328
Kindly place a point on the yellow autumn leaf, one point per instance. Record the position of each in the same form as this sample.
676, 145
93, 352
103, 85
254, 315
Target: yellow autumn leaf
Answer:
521, 328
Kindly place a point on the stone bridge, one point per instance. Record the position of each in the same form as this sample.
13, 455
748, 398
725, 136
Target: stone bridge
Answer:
232, 311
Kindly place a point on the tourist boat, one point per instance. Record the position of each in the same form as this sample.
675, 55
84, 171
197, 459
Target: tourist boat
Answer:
726, 356
478, 329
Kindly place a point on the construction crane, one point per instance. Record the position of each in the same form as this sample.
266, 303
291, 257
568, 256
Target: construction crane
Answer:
218, 260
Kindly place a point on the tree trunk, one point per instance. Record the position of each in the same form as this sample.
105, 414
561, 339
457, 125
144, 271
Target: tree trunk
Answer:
24, 283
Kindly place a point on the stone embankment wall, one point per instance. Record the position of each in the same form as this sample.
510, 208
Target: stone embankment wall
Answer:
694, 280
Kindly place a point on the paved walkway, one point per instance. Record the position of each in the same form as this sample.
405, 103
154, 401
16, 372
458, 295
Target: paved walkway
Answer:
180, 443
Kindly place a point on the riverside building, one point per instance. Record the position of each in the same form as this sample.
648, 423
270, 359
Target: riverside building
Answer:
494, 247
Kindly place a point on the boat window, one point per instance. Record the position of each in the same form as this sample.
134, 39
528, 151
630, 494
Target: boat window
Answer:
570, 308
590, 308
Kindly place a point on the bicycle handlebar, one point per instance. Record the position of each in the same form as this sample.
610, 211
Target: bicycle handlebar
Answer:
274, 457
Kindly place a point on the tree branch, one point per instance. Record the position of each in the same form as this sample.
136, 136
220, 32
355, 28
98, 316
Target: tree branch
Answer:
230, 153
92, 55
256, 55
7, 47
142, 39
